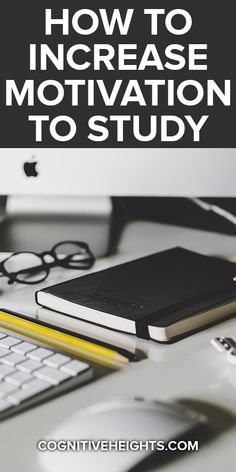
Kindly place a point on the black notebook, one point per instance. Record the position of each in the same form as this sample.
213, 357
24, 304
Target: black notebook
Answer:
161, 296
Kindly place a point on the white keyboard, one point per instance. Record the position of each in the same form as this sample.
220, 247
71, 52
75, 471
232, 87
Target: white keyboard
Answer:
30, 373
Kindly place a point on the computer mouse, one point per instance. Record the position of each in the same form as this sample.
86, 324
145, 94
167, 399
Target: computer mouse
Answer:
113, 433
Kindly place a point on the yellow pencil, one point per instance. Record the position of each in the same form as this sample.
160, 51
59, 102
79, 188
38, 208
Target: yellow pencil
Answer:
66, 342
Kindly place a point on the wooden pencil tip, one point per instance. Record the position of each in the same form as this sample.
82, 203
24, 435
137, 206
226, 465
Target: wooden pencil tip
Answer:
121, 358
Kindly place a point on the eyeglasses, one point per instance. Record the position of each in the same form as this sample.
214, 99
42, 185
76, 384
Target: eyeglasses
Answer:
31, 268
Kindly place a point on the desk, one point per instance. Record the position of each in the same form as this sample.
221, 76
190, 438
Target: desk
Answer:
189, 371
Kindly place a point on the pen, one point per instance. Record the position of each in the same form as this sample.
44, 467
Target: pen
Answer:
226, 345
223, 344
66, 342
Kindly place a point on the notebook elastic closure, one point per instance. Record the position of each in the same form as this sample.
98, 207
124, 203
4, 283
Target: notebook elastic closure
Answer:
183, 309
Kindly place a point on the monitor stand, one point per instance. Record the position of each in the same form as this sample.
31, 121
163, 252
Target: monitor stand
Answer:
36, 223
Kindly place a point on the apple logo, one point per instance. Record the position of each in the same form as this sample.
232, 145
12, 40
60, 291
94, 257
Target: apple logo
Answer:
30, 168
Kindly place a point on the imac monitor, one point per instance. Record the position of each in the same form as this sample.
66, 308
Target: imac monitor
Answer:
66, 192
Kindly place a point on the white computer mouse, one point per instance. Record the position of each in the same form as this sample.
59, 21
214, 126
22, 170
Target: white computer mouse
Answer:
127, 419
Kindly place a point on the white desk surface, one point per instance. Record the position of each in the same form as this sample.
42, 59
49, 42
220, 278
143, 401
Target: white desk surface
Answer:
189, 371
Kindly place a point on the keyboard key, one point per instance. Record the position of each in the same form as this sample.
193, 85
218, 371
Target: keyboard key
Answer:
23, 394
56, 360
13, 359
6, 388
23, 348
53, 376
29, 366
5, 370
4, 405
74, 367
3, 352
2, 335
18, 378
39, 354
36, 385
18, 396
8, 342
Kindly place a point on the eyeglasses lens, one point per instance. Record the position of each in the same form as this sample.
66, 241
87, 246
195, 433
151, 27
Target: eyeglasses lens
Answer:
74, 255
26, 267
